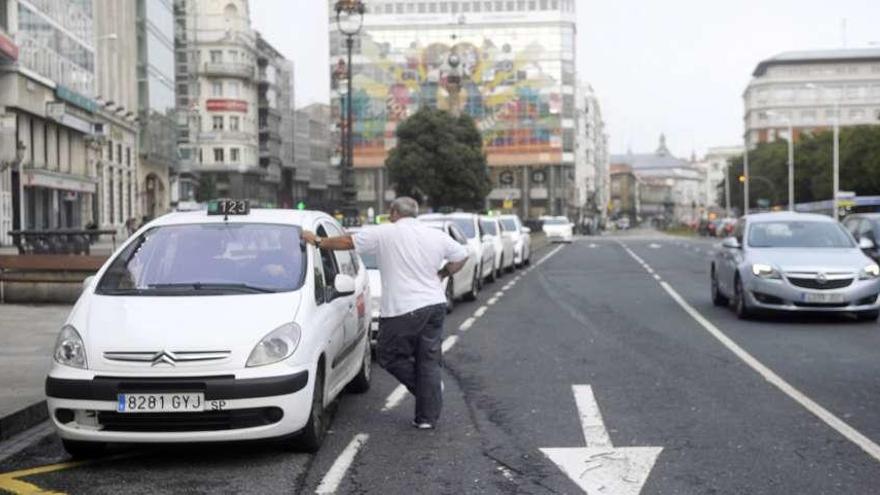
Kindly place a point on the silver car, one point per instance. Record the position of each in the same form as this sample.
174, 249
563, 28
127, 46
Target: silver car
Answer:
794, 262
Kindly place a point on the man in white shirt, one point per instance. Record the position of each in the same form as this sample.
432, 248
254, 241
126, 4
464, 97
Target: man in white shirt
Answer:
413, 306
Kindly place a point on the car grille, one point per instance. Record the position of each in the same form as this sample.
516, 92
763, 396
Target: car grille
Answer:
232, 419
166, 357
812, 283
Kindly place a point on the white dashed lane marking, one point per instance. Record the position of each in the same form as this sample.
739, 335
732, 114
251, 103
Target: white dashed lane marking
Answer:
337, 471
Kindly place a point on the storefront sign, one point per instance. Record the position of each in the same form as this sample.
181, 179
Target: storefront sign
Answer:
8, 49
39, 178
64, 93
227, 106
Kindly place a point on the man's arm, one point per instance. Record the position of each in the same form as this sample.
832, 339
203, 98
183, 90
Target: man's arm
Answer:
338, 243
451, 268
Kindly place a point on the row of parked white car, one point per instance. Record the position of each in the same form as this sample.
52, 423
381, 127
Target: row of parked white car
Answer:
496, 245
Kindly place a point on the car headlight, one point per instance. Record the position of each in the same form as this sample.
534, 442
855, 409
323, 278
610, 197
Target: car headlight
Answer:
277, 345
69, 348
870, 272
765, 271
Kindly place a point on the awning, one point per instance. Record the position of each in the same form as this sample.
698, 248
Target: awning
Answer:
54, 180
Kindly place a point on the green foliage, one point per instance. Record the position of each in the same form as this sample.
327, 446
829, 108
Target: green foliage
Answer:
439, 159
813, 167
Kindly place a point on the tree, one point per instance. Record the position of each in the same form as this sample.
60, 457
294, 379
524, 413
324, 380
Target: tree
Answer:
439, 158
813, 159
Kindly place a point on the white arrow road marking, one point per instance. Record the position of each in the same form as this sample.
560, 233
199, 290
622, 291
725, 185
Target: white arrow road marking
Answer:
337, 471
600, 467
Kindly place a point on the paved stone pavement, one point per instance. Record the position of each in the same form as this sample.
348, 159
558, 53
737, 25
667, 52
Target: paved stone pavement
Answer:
27, 337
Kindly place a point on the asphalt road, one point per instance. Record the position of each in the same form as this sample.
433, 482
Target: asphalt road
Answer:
590, 314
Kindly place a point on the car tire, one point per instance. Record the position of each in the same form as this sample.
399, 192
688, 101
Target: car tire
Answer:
718, 299
84, 450
494, 274
450, 296
361, 382
740, 304
312, 435
868, 315
476, 285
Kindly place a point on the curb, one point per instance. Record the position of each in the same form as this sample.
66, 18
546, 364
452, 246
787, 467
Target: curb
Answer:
23, 419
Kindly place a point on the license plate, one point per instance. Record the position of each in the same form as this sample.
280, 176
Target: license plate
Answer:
180, 402
819, 298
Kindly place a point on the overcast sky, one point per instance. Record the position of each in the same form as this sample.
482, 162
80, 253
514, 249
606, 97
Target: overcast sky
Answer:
673, 66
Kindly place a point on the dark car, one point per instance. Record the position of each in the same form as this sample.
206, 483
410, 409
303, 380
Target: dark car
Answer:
865, 227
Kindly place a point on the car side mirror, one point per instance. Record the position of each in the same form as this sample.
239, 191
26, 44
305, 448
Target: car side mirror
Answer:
343, 285
88, 282
526, 230
731, 243
866, 244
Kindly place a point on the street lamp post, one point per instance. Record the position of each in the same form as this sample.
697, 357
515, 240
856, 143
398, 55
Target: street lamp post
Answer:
835, 188
746, 176
790, 158
350, 21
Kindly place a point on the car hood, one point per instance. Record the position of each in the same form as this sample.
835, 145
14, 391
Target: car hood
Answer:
231, 325
811, 260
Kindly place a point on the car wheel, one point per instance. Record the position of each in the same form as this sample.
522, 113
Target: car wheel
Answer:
450, 296
743, 311
476, 285
718, 298
84, 450
312, 435
868, 315
361, 382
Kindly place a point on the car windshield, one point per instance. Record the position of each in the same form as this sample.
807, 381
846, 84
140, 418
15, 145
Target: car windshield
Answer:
556, 221
466, 225
508, 224
489, 227
208, 259
793, 234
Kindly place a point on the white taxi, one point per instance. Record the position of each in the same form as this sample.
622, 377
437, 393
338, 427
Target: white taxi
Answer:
213, 326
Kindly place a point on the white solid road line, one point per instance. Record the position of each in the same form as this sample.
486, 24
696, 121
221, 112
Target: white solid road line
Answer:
337, 471
807, 403
595, 434
467, 324
548, 255
480, 312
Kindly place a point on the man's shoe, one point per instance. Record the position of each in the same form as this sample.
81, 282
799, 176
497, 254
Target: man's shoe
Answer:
422, 425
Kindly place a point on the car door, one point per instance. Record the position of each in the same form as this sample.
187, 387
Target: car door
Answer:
464, 278
867, 231
335, 307
353, 306
730, 260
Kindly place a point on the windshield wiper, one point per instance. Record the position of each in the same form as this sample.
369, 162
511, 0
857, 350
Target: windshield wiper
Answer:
210, 286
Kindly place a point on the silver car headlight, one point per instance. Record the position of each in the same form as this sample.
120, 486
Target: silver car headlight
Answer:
69, 349
277, 345
765, 271
870, 272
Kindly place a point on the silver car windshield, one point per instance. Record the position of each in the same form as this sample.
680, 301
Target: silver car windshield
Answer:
208, 259
798, 235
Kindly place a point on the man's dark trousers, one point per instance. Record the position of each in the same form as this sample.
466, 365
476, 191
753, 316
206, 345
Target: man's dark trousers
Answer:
409, 349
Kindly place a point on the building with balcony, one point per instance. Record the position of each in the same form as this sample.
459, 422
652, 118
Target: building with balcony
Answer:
517, 69
592, 175
810, 90
48, 177
624, 193
217, 104
117, 130
276, 120
156, 105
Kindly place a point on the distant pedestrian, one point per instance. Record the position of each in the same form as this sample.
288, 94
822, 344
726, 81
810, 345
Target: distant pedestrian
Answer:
408, 255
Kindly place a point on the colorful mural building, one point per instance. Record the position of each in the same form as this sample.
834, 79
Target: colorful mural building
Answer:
516, 60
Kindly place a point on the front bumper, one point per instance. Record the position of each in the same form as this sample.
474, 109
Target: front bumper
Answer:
781, 295
560, 237
85, 409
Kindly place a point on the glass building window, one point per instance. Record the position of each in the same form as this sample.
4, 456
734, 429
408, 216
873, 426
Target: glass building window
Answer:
218, 155
234, 155
216, 88
217, 123
216, 56
234, 123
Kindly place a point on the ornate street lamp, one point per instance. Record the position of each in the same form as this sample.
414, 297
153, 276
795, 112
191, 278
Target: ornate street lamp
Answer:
350, 21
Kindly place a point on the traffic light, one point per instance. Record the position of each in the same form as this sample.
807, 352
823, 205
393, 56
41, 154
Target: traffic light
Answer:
301, 206
742, 178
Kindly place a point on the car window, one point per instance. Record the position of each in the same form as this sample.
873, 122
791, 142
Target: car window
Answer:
489, 227
866, 230
344, 259
328, 264
206, 259
466, 225
457, 234
798, 234
509, 224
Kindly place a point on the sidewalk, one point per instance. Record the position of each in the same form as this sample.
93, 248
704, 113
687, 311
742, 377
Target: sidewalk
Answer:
27, 334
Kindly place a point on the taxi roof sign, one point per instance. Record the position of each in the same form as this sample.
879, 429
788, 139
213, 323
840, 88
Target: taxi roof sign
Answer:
227, 207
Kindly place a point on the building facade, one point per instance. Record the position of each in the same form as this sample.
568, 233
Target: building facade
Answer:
275, 118
116, 128
317, 179
47, 83
810, 90
517, 69
156, 106
217, 102
624, 193
714, 165
592, 175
